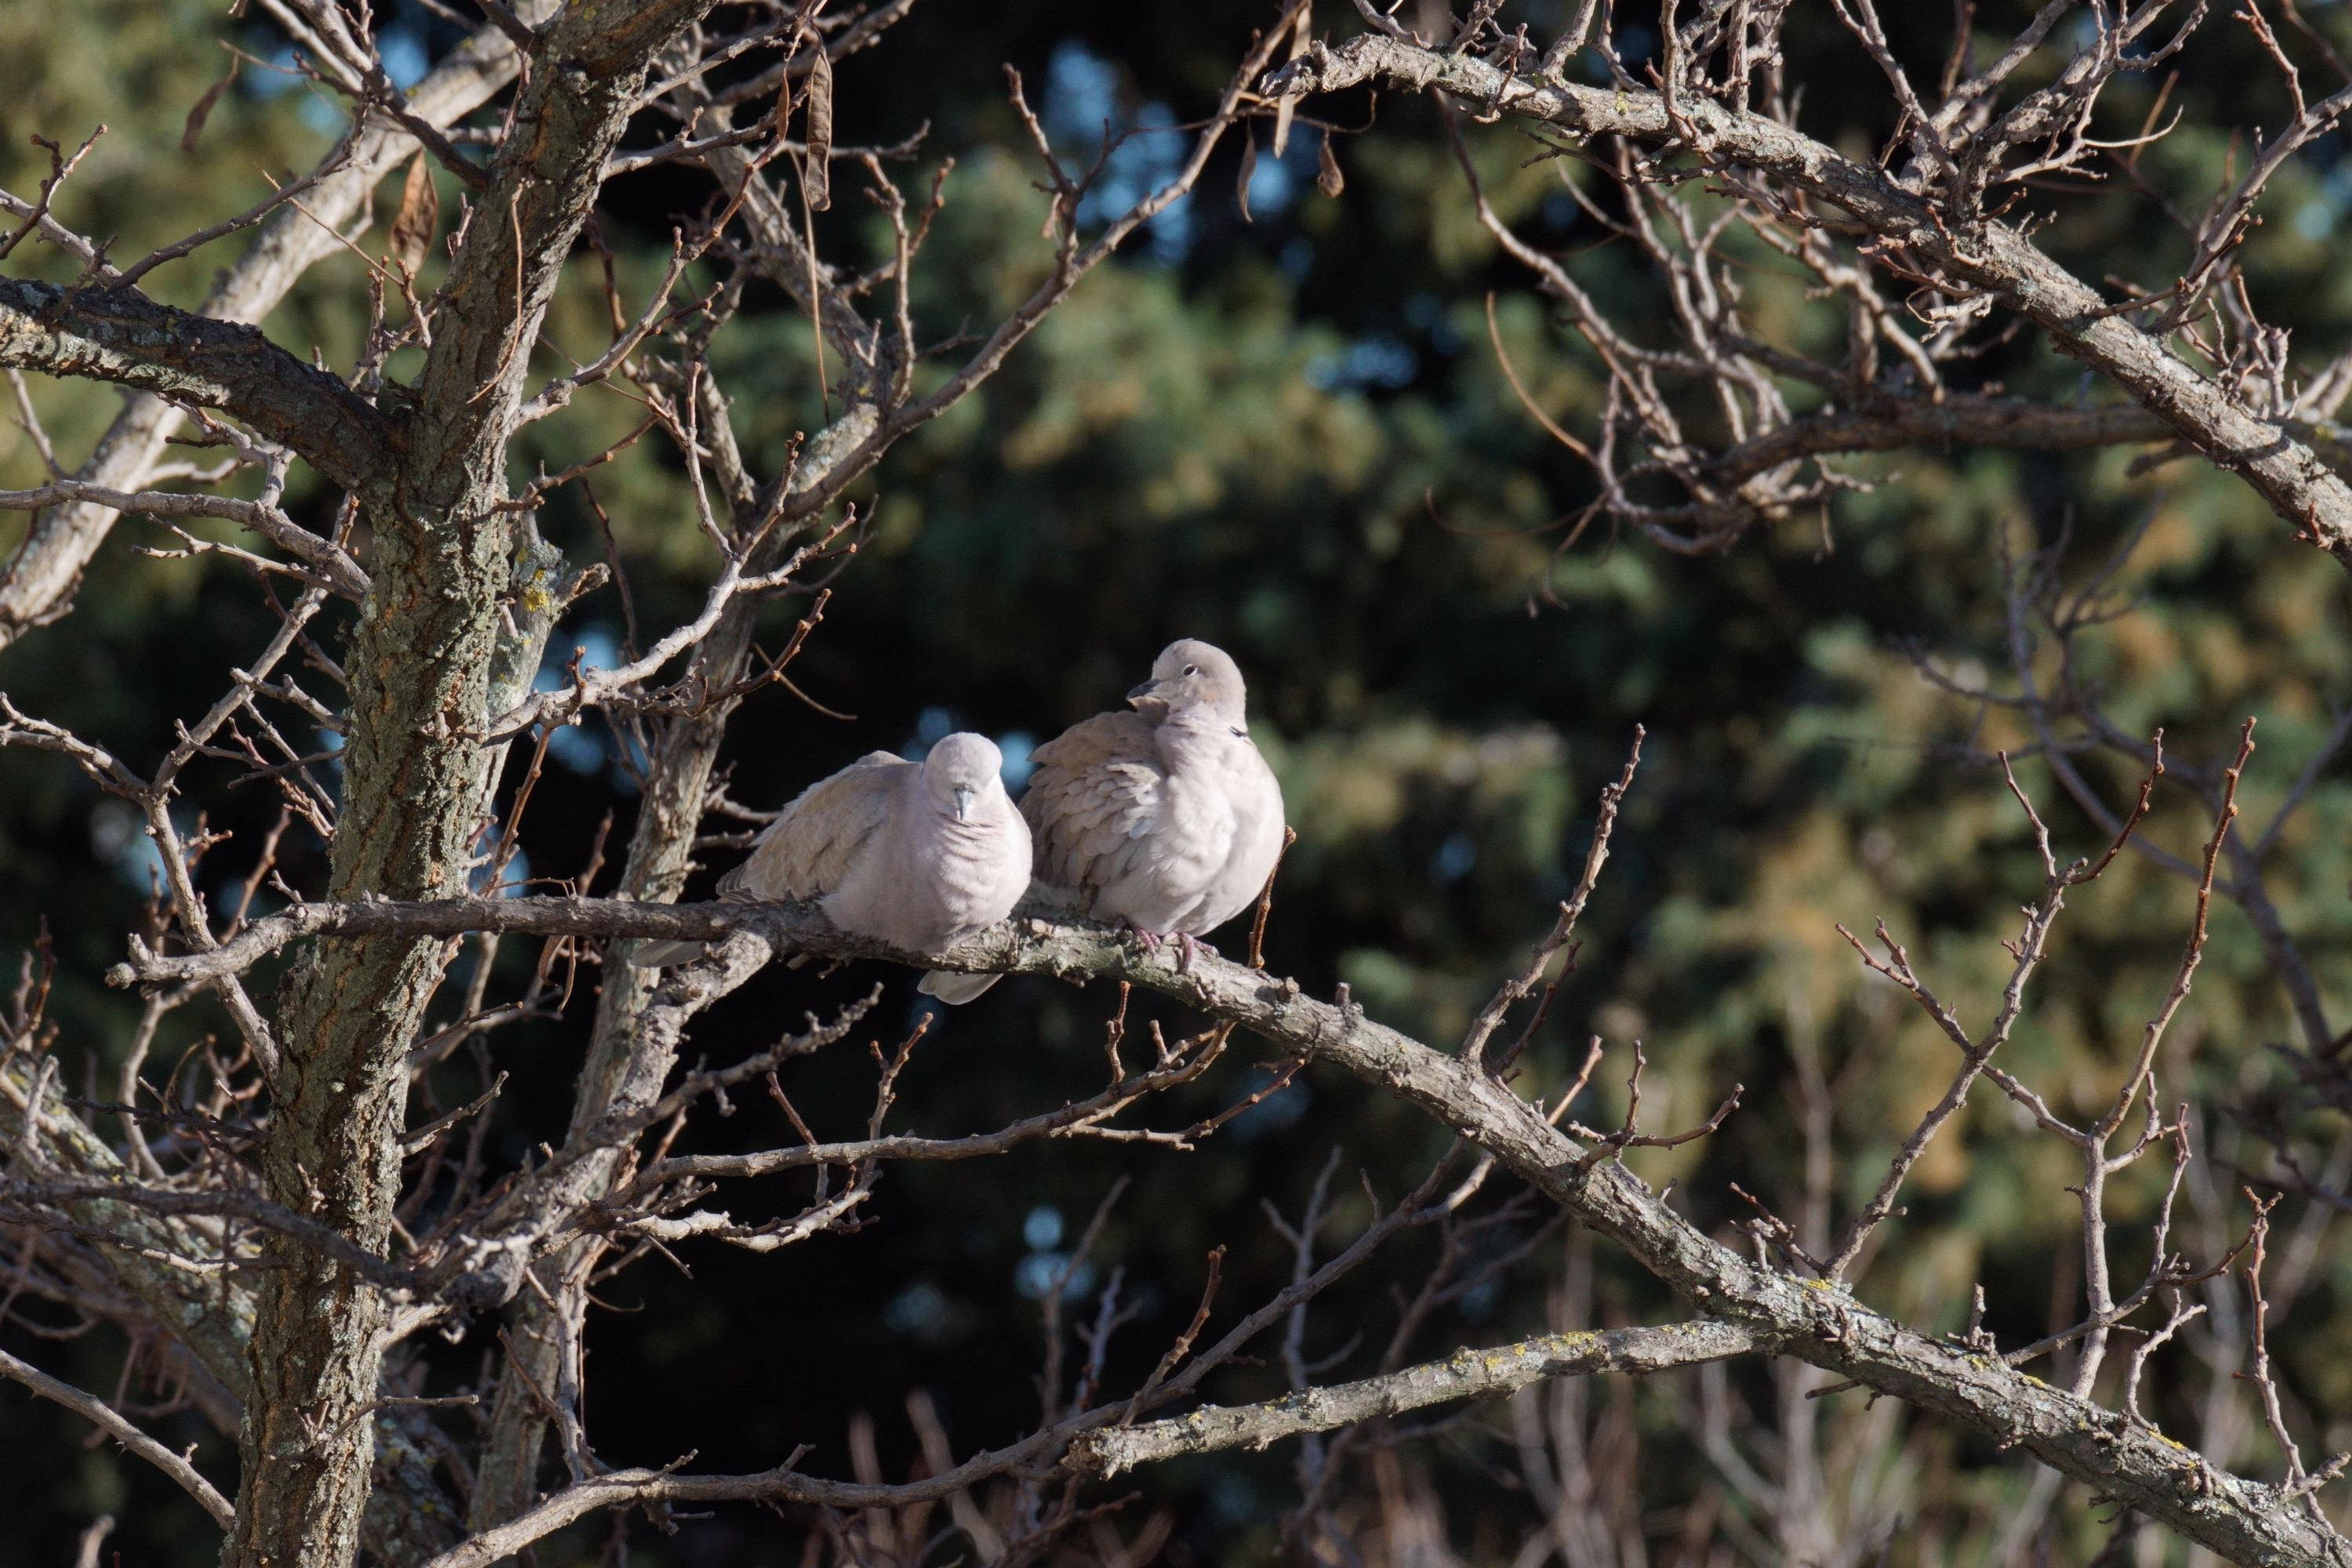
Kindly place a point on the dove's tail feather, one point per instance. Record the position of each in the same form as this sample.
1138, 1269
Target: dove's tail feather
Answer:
665, 954
954, 989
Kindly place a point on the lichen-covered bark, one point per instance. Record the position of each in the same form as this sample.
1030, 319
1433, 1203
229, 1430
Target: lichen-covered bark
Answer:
1974, 419
409, 1519
419, 664
212, 1314
1468, 1373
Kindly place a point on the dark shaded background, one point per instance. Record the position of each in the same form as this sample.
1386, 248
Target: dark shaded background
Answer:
1288, 437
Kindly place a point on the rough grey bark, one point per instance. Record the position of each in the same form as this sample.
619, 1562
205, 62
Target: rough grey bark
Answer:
409, 1517
128, 338
625, 1065
418, 667
1464, 1375
1974, 419
1987, 254
212, 1314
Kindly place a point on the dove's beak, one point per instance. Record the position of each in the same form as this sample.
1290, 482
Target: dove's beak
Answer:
966, 798
1150, 701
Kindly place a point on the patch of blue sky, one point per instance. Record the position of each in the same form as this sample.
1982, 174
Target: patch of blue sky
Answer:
1633, 46
1427, 311
1019, 759
279, 76
1377, 359
935, 725
1296, 257
1277, 1112
583, 747
2317, 218
516, 881
405, 59
119, 839
1081, 93
932, 725
1454, 857
1083, 106
921, 1310
1275, 182
1036, 1274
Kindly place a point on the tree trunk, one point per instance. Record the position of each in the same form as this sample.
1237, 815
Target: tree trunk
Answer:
414, 788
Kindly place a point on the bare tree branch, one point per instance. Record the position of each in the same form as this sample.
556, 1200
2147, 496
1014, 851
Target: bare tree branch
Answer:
1465, 1375
36, 583
132, 341
207, 1495
1973, 252
2237, 1516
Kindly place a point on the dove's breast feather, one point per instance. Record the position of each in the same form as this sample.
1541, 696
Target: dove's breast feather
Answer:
1231, 771
930, 880
1155, 825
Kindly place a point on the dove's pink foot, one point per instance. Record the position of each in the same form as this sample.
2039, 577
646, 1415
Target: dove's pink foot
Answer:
1189, 947
1149, 941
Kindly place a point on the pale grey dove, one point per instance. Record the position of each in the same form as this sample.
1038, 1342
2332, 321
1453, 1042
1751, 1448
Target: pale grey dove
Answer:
918, 855
1165, 818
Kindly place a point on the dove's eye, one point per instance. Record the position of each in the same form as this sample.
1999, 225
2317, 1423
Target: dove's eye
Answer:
1192, 669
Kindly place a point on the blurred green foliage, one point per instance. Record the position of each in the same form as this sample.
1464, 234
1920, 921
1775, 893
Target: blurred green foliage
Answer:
1292, 437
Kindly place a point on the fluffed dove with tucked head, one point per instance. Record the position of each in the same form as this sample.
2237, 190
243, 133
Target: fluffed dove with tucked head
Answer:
1166, 818
918, 855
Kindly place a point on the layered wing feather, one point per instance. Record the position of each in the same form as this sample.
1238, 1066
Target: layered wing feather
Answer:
1097, 793
807, 852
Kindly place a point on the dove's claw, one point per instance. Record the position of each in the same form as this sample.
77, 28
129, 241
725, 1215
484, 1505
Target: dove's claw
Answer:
1187, 949
1149, 941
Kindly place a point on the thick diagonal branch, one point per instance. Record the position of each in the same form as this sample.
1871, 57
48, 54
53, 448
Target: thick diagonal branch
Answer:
2243, 1520
1465, 1375
129, 339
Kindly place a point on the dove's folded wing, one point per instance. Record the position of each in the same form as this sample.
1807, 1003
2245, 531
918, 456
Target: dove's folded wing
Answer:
1099, 791
807, 852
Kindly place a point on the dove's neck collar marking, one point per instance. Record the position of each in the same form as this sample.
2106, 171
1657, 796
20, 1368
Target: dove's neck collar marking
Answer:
1201, 718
